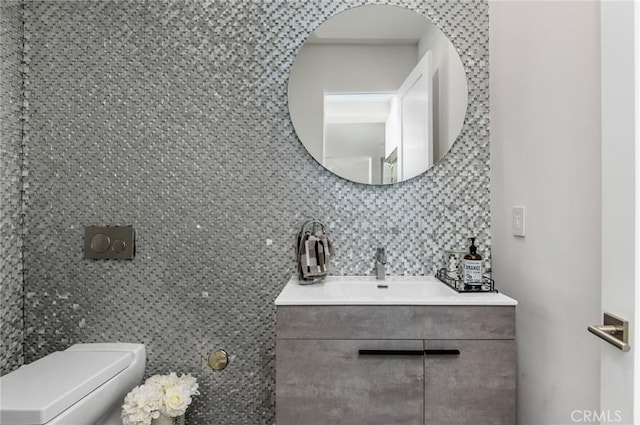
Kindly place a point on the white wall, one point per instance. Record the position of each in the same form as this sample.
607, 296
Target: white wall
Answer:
341, 68
545, 155
450, 86
353, 142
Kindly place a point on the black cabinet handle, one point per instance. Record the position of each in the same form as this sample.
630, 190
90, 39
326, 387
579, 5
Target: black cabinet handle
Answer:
409, 352
391, 352
442, 352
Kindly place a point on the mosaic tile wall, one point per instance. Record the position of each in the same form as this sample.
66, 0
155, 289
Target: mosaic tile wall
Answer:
11, 323
171, 116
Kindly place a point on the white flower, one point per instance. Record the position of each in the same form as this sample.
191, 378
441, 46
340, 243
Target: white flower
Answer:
189, 382
163, 380
141, 405
177, 394
175, 401
168, 395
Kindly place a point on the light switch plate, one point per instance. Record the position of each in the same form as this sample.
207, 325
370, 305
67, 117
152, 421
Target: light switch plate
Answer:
518, 221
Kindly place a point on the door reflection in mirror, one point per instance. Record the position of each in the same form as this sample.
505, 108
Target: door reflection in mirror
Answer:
377, 94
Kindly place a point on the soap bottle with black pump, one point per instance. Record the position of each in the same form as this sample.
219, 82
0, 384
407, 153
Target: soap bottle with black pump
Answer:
473, 267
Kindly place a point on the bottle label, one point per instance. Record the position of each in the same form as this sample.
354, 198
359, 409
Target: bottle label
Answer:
473, 272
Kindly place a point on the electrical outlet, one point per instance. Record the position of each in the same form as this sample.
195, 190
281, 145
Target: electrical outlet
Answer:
518, 221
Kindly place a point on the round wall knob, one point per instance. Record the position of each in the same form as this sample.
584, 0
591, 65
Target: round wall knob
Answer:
218, 359
100, 242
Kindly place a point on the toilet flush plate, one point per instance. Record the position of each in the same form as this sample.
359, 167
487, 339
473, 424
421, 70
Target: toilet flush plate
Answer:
109, 242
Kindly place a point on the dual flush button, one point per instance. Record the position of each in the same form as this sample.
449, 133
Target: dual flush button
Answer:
109, 243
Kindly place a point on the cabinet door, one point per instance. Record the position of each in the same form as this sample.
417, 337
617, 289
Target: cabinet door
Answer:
328, 382
476, 387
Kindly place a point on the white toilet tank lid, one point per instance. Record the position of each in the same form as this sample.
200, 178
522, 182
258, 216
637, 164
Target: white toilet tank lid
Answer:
40, 391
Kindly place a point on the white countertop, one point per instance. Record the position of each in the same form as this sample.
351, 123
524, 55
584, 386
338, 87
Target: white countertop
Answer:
400, 290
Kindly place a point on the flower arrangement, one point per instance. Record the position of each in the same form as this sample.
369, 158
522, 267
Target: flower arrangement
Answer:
160, 397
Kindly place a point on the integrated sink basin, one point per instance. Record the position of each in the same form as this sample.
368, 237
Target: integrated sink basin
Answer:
371, 289
394, 290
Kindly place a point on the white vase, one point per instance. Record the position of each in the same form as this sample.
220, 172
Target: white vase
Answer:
168, 420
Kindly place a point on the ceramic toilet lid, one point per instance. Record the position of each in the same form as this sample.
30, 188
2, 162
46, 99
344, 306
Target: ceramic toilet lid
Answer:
40, 391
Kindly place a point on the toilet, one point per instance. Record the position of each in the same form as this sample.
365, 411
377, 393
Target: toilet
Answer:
82, 385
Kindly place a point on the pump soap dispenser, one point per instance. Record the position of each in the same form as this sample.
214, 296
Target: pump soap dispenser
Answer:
473, 267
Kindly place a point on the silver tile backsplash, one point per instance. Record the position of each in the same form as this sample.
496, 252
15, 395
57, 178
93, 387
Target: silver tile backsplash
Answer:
171, 116
11, 241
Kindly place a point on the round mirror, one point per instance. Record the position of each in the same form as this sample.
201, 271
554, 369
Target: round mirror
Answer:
377, 94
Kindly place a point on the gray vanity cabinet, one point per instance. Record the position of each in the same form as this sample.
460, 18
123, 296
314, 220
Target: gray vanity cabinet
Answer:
473, 388
327, 382
398, 365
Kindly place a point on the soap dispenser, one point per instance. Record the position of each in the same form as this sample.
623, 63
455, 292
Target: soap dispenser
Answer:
473, 267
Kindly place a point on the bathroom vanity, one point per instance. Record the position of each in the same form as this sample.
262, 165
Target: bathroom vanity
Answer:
406, 350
